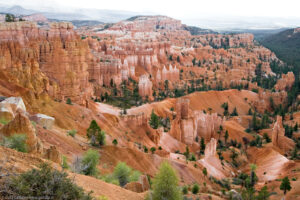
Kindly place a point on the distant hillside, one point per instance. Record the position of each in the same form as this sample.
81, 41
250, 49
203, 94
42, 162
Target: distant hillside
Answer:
107, 16
259, 34
198, 31
286, 45
79, 23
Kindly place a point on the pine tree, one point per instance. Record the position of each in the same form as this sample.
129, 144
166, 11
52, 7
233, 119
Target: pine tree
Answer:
285, 185
154, 120
153, 149
295, 153
187, 152
234, 112
226, 136
165, 184
202, 145
115, 142
194, 61
254, 122
204, 171
94, 133
253, 177
296, 127
69, 101
250, 111
263, 194
225, 107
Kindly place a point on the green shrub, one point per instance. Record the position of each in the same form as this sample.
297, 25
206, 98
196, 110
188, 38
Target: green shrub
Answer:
267, 138
115, 142
154, 120
192, 157
89, 162
153, 149
44, 182
135, 175
122, 173
185, 189
204, 171
102, 197
195, 189
109, 178
64, 163
145, 149
72, 132
69, 101
16, 141
165, 185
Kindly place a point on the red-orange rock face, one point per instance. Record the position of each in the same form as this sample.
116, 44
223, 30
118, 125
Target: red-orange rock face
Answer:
148, 23
286, 82
191, 124
278, 138
22, 125
145, 86
54, 60
162, 48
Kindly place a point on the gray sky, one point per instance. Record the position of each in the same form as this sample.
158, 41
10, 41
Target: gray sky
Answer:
180, 8
189, 11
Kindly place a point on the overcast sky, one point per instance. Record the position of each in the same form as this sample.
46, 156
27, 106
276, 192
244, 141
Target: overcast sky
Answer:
205, 13
180, 8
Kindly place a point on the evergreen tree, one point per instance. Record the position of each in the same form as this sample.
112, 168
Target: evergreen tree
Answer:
166, 85
295, 153
195, 189
204, 171
94, 133
202, 145
296, 127
115, 142
285, 185
9, 18
226, 136
234, 112
267, 138
253, 177
69, 101
154, 120
250, 111
255, 122
225, 107
194, 61
152, 149
187, 152
264, 122
263, 194
165, 184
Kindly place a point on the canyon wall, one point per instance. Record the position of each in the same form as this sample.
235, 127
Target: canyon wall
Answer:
52, 59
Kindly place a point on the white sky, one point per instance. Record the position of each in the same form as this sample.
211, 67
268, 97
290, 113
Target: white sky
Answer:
181, 9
